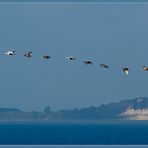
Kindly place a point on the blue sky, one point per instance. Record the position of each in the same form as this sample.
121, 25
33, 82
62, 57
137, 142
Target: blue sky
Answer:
111, 33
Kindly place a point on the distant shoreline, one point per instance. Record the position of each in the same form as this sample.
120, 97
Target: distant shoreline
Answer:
126, 111
70, 121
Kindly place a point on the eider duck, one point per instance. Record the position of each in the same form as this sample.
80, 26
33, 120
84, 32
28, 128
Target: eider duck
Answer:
46, 57
88, 62
145, 68
70, 58
104, 66
28, 54
10, 52
125, 70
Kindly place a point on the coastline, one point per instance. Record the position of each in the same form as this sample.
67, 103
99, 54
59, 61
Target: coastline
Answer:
71, 121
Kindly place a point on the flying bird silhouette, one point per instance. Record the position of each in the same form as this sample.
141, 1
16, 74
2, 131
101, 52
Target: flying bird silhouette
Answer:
10, 52
104, 66
88, 62
125, 70
70, 58
28, 54
46, 57
145, 68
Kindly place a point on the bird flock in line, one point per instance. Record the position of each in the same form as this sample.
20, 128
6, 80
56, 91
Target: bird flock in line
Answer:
87, 62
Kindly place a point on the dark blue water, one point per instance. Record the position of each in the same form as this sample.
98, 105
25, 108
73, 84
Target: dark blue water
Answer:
73, 134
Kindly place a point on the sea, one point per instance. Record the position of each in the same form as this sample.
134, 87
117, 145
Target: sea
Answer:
69, 133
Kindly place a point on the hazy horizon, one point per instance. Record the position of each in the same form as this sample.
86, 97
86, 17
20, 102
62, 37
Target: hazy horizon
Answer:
111, 33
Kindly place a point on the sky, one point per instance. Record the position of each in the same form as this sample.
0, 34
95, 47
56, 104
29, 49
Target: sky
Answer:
112, 33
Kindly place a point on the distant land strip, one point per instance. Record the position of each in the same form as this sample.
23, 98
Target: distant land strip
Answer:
132, 109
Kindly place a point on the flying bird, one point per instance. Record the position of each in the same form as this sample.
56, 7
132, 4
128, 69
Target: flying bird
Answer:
70, 58
145, 68
88, 62
104, 66
28, 54
10, 52
125, 70
46, 57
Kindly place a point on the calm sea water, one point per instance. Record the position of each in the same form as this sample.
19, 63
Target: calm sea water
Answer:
25, 133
